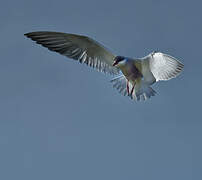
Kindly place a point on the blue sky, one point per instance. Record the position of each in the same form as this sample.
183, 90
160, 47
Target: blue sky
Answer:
63, 120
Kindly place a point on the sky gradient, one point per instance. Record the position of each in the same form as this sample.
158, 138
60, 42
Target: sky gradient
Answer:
62, 120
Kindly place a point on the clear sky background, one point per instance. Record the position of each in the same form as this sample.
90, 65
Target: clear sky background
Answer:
62, 120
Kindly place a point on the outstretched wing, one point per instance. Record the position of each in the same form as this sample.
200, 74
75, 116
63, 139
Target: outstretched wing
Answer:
162, 67
77, 47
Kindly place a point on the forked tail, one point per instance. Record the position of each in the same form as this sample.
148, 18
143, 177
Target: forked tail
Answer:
142, 91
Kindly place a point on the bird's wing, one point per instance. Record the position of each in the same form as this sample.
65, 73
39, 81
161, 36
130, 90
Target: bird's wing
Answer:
162, 67
77, 47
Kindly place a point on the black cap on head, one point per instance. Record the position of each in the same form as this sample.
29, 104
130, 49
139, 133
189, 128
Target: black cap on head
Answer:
117, 59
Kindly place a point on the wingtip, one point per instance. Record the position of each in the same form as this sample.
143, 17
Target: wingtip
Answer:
30, 34
27, 34
36, 33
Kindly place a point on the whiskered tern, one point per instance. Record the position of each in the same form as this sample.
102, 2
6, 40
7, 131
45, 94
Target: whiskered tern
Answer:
134, 76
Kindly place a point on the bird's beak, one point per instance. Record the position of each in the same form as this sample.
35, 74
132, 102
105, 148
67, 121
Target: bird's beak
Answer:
115, 63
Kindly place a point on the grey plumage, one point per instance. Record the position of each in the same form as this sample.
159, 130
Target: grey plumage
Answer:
77, 47
135, 75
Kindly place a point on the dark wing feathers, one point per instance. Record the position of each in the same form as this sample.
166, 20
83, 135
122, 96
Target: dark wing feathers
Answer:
77, 47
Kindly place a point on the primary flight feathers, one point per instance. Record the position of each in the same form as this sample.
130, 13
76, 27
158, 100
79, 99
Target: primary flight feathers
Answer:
135, 74
81, 48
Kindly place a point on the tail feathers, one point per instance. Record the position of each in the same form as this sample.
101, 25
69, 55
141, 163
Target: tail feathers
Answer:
142, 90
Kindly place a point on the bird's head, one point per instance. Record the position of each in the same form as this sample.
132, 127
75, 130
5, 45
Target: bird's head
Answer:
119, 60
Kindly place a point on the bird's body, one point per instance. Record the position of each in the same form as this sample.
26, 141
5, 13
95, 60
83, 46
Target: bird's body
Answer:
135, 76
130, 70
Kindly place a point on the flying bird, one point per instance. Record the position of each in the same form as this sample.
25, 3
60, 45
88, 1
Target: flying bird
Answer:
134, 76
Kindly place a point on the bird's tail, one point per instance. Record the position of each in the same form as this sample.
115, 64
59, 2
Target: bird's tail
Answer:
142, 90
